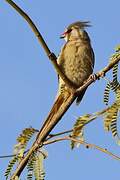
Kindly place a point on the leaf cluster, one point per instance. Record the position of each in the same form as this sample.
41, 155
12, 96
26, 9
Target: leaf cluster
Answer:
109, 114
35, 163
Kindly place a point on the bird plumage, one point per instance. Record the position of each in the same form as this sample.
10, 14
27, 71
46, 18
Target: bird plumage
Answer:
76, 59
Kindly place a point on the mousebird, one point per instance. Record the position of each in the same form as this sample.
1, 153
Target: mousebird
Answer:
76, 60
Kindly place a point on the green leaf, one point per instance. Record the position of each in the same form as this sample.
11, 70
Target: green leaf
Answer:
39, 171
106, 93
10, 166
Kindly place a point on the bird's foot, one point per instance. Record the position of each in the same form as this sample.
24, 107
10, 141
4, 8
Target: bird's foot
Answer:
94, 77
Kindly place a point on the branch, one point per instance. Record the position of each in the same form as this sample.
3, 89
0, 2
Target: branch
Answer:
99, 74
88, 145
83, 143
59, 134
50, 54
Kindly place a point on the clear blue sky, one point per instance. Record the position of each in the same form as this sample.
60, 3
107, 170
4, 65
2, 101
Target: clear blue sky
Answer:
28, 83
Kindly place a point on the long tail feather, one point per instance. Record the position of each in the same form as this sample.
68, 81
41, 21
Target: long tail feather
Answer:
60, 106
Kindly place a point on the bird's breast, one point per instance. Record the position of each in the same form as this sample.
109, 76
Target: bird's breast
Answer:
77, 62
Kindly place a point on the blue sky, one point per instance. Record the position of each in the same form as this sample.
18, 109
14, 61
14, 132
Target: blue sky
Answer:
28, 83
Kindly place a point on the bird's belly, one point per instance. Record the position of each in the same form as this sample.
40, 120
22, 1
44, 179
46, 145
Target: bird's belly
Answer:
78, 71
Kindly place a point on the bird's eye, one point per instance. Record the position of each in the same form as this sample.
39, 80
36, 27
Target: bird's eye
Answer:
69, 30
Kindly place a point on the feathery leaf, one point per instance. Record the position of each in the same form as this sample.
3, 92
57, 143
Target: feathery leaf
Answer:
10, 166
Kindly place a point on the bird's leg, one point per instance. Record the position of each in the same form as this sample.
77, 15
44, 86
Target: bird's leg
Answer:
93, 77
97, 76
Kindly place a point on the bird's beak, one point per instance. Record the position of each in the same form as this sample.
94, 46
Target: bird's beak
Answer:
63, 35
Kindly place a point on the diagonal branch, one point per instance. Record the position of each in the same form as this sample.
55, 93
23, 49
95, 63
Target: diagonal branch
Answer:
100, 74
50, 54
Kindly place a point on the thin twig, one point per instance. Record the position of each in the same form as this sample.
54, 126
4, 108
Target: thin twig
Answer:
12, 155
7, 156
59, 134
88, 145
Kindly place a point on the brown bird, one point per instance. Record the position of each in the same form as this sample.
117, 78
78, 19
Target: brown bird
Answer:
76, 60
77, 57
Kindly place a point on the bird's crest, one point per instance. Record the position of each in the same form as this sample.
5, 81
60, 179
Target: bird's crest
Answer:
79, 24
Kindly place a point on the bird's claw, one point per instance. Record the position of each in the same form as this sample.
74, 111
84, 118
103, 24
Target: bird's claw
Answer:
94, 77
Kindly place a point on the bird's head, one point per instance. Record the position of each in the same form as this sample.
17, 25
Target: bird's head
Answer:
75, 30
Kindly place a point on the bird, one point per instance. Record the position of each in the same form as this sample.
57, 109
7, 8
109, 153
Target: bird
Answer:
76, 60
